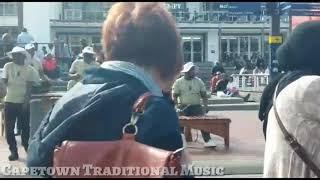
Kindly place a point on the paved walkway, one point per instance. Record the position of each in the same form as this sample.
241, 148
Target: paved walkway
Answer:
244, 158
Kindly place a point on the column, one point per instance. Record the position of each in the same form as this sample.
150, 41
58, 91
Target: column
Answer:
213, 45
238, 45
249, 46
274, 32
228, 45
20, 15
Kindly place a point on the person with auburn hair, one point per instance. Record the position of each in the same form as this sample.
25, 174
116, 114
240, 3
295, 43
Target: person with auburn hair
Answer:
143, 51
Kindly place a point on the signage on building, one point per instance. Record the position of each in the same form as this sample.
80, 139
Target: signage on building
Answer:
175, 6
241, 7
301, 9
275, 39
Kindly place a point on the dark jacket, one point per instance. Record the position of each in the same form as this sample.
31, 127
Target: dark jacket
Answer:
98, 111
217, 68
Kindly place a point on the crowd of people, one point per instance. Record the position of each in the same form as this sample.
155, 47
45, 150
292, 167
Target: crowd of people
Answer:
134, 65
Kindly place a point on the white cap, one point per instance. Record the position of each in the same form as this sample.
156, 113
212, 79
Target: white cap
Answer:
29, 46
17, 49
88, 49
187, 67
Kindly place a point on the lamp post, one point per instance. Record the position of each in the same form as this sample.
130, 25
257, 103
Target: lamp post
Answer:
275, 37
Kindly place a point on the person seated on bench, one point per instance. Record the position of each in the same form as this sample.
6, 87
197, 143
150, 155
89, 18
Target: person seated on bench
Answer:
227, 88
189, 90
213, 82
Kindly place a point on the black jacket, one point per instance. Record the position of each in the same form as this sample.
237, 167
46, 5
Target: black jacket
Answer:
98, 110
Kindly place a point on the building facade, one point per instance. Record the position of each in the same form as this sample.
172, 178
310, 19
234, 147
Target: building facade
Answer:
209, 31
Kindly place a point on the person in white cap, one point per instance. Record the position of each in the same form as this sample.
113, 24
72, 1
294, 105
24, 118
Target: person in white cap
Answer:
38, 52
18, 78
187, 94
79, 66
34, 61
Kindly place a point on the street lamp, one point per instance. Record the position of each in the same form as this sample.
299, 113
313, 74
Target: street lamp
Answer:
275, 37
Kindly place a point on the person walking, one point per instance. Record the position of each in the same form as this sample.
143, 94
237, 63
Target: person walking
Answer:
18, 78
187, 93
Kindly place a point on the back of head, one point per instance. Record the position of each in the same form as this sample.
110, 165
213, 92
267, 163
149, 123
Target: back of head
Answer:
301, 49
143, 33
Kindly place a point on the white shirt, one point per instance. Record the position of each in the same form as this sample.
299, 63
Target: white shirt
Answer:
17, 76
39, 54
242, 71
298, 107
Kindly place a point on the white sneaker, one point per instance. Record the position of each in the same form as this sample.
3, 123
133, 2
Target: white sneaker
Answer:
210, 143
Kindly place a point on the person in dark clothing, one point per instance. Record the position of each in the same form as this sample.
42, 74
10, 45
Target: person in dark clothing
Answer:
98, 108
297, 99
266, 102
217, 68
295, 62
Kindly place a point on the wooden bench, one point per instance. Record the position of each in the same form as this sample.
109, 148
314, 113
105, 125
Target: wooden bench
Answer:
212, 124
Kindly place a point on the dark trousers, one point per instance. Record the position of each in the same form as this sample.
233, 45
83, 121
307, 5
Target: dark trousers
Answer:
195, 110
13, 112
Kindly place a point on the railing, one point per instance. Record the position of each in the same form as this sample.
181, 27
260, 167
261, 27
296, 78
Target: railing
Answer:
214, 17
251, 82
180, 16
77, 15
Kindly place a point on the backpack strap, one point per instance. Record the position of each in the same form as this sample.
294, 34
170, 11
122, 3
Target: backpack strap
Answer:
137, 110
292, 141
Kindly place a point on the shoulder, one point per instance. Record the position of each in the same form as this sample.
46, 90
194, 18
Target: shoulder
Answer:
302, 95
199, 80
303, 87
8, 66
77, 61
179, 80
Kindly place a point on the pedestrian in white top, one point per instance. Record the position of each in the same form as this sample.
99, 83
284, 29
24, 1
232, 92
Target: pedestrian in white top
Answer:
18, 78
34, 61
24, 38
38, 52
79, 66
297, 105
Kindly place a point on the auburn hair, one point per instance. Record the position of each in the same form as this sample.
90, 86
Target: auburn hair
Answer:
145, 34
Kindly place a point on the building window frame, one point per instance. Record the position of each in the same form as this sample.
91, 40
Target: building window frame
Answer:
192, 39
5, 6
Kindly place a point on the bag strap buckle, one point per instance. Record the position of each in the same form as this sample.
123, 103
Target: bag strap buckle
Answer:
138, 110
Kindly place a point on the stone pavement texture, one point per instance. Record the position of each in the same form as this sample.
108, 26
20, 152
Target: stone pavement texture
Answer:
243, 159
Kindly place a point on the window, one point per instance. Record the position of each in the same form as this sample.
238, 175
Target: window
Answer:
73, 14
193, 48
8, 8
